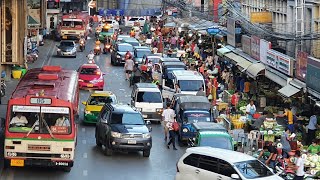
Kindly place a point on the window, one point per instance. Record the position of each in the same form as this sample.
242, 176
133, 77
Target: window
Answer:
253, 169
124, 48
150, 97
89, 71
105, 116
190, 85
226, 169
141, 53
192, 160
52, 5
208, 163
216, 142
127, 118
197, 117
66, 43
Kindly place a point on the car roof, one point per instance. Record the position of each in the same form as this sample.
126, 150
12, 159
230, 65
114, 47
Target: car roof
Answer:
121, 108
146, 85
152, 56
186, 73
130, 39
165, 59
102, 93
227, 155
209, 126
124, 44
141, 47
89, 66
173, 63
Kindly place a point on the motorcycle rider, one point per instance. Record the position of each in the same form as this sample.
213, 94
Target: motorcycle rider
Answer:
98, 43
82, 40
90, 57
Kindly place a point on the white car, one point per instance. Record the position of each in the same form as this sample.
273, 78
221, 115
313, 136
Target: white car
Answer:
132, 20
112, 23
204, 163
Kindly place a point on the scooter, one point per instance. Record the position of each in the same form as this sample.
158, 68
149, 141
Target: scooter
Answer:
106, 48
97, 50
32, 57
82, 46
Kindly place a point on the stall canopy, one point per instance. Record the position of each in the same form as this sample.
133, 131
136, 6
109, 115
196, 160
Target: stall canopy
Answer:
255, 69
222, 51
241, 62
288, 90
276, 77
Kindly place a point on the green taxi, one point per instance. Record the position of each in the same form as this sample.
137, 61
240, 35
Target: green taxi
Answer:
95, 103
106, 31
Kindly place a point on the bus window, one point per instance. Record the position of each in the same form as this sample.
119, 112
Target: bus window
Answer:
66, 23
77, 24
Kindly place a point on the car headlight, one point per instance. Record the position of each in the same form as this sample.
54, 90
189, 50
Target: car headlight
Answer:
107, 46
184, 130
139, 109
97, 81
65, 156
80, 80
11, 154
118, 56
87, 112
115, 134
159, 109
147, 135
58, 49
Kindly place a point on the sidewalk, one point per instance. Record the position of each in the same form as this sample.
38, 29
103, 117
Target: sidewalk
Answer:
11, 85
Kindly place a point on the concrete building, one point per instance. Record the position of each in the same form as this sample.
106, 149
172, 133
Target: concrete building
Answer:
13, 24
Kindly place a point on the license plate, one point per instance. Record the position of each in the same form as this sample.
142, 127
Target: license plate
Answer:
132, 142
145, 116
17, 162
89, 85
64, 37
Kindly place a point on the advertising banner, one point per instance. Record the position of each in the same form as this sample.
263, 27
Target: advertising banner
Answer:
264, 47
231, 35
255, 47
261, 17
313, 75
279, 61
301, 65
246, 44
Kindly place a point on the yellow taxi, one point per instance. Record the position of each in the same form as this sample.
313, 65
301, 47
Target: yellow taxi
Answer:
94, 104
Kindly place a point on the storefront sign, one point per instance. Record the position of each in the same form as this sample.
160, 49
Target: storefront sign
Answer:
261, 17
231, 35
279, 61
313, 74
58, 110
301, 65
255, 47
246, 44
264, 47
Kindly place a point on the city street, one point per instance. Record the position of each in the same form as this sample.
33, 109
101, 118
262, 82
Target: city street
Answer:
90, 161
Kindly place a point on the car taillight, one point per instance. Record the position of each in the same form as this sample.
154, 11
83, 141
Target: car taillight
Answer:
177, 167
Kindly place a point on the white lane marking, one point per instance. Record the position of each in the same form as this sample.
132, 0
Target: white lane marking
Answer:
83, 129
52, 43
84, 142
85, 155
122, 89
85, 173
50, 58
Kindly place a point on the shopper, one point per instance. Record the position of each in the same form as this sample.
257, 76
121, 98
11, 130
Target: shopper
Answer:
177, 88
234, 100
312, 128
172, 136
299, 166
128, 67
168, 115
250, 110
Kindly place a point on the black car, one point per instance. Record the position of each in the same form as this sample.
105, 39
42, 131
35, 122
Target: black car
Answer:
67, 48
119, 51
122, 127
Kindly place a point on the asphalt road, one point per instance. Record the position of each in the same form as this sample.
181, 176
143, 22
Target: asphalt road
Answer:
90, 161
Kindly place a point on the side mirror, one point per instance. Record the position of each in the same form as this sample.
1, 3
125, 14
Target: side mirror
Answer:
84, 103
235, 176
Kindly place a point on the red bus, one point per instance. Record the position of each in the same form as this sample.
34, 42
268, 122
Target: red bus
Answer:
40, 128
74, 25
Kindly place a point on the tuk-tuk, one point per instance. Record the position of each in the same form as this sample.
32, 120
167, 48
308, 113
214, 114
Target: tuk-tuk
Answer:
212, 135
191, 109
106, 31
167, 77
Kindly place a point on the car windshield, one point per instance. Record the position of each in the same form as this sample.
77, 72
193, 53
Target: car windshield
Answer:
253, 169
154, 60
197, 117
124, 48
190, 85
110, 30
90, 71
108, 22
66, 43
42, 120
141, 53
101, 100
149, 97
127, 118
134, 19
169, 72
216, 142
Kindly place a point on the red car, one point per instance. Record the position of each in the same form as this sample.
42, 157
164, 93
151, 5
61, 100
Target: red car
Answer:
90, 77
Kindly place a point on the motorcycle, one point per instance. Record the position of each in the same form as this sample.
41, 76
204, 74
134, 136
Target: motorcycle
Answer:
3, 88
32, 57
97, 50
82, 46
106, 48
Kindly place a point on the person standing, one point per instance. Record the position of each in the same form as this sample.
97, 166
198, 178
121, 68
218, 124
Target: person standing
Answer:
172, 135
289, 115
251, 110
177, 88
299, 166
311, 129
234, 100
168, 115
128, 67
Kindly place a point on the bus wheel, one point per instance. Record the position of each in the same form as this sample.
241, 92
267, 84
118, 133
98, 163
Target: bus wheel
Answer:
67, 169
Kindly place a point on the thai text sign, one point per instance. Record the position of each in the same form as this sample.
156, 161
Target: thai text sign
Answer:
246, 44
255, 47
279, 61
261, 17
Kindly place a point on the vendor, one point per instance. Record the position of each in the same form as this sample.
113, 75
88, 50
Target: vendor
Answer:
250, 110
285, 138
289, 115
314, 148
273, 155
258, 123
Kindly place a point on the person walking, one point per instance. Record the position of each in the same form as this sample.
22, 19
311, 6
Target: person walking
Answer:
299, 166
128, 67
172, 135
168, 115
311, 129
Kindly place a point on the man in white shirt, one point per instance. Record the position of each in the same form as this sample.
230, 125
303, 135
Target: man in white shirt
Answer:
19, 120
168, 115
299, 166
63, 121
251, 110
